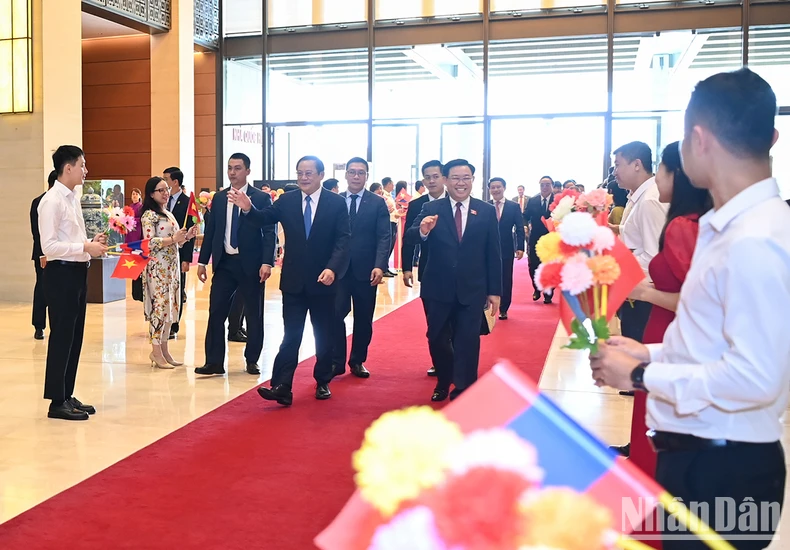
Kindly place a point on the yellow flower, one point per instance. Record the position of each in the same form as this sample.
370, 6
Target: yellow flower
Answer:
605, 269
548, 247
550, 512
403, 453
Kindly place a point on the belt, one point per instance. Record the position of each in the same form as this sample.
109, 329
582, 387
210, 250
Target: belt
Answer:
68, 263
671, 441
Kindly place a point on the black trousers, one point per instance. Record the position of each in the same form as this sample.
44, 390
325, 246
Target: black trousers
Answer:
508, 257
721, 480
66, 291
229, 279
39, 299
236, 315
393, 238
534, 262
454, 342
633, 320
322, 317
363, 296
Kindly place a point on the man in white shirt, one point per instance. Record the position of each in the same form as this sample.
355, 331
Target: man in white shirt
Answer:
68, 251
718, 383
643, 220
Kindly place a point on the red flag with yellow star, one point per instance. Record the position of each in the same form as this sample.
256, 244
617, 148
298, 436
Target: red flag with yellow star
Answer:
130, 266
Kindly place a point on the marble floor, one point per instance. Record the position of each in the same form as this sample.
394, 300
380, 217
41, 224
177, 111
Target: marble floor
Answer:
138, 404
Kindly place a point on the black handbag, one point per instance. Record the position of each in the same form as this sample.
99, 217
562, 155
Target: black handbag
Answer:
137, 289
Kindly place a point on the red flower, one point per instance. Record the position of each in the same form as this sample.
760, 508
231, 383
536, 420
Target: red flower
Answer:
550, 275
567, 193
569, 250
480, 509
127, 211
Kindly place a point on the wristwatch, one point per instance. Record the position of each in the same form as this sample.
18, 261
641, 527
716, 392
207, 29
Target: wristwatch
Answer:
638, 377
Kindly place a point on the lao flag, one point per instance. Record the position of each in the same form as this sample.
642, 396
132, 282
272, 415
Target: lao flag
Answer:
568, 454
137, 247
130, 266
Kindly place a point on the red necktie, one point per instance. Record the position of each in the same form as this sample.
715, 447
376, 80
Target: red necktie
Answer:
459, 221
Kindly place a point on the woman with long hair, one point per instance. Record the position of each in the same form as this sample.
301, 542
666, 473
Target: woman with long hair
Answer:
668, 270
162, 275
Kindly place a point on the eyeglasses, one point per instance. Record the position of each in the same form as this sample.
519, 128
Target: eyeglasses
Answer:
459, 179
308, 174
360, 173
162, 190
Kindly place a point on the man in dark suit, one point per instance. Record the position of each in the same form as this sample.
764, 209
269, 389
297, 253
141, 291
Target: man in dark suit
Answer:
511, 238
369, 248
434, 183
39, 262
242, 256
316, 226
462, 277
537, 208
178, 204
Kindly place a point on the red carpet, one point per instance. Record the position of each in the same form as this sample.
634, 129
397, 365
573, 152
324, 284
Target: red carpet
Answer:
254, 475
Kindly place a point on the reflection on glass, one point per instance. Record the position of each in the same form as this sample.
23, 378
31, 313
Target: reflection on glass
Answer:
656, 129
395, 153
526, 149
247, 139
302, 85
424, 81
409, 9
769, 56
464, 140
659, 71
243, 91
557, 75
240, 17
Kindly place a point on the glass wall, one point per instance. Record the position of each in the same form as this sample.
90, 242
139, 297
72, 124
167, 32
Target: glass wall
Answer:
411, 9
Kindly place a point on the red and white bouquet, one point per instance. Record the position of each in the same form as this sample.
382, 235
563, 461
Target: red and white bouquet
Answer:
119, 220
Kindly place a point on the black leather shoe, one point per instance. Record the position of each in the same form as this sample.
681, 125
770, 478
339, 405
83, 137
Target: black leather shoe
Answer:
280, 393
535, 296
66, 411
360, 371
547, 299
624, 450
252, 368
439, 395
171, 336
238, 337
503, 316
389, 273
77, 404
432, 371
455, 394
39, 335
210, 369
338, 370
322, 392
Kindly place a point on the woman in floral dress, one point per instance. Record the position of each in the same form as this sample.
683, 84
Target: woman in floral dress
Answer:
162, 275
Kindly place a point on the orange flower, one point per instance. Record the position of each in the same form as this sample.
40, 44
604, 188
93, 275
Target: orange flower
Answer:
605, 269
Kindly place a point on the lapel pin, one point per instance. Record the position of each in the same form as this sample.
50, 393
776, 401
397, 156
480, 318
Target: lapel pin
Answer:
473, 212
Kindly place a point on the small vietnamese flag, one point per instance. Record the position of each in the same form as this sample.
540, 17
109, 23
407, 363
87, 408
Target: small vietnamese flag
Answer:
192, 210
130, 266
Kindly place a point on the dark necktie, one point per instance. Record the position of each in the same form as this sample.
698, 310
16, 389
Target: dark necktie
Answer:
459, 221
308, 216
170, 204
544, 206
234, 227
352, 213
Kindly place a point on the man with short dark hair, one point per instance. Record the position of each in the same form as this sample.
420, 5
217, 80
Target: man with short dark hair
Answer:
521, 199
178, 205
717, 385
537, 209
462, 278
511, 233
39, 263
331, 185
369, 251
68, 251
316, 226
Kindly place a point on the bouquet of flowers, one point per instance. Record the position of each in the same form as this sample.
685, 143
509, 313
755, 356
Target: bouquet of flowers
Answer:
582, 258
596, 202
119, 220
204, 200
437, 488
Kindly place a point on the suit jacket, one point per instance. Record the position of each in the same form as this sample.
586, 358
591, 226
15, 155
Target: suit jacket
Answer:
37, 252
179, 212
526, 199
407, 249
256, 243
467, 271
305, 258
511, 228
533, 215
369, 244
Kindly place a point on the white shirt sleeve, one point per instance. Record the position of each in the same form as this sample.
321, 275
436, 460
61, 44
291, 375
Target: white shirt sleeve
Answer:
652, 218
753, 370
50, 214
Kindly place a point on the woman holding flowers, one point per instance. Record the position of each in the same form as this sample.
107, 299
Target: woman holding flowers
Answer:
162, 275
668, 271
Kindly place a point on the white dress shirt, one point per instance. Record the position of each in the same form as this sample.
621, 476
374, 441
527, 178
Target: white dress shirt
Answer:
723, 371
229, 223
644, 218
314, 197
500, 207
61, 225
173, 200
349, 194
431, 199
392, 207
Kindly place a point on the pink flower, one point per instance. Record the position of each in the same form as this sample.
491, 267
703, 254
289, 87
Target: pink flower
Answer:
597, 199
576, 276
603, 240
414, 529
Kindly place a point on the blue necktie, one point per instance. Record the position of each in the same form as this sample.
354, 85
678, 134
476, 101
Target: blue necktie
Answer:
308, 216
234, 228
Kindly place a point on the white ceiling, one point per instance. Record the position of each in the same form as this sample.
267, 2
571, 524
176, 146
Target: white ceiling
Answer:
96, 27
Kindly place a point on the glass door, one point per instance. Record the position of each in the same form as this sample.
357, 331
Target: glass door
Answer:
645, 129
395, 151
464, 140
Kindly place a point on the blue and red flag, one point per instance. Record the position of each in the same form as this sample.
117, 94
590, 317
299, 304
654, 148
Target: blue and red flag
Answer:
134, 257
569, 455
136, 247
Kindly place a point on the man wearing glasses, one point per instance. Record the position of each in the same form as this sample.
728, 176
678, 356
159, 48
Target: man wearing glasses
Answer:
369, 253
317, 231
462, 278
